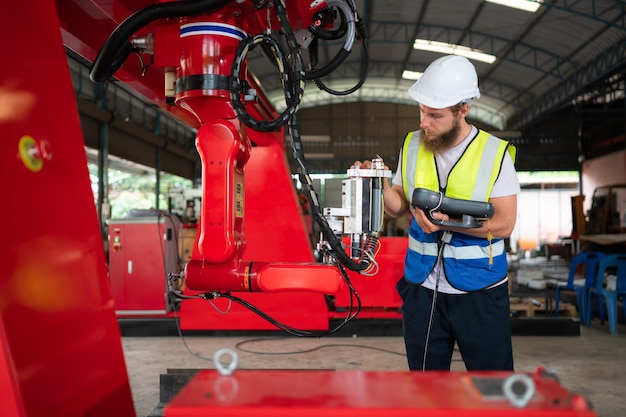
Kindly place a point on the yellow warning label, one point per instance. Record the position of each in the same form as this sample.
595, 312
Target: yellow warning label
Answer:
238, 200
30, 154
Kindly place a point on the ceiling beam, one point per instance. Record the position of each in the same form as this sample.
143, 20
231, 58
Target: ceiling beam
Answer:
612, 60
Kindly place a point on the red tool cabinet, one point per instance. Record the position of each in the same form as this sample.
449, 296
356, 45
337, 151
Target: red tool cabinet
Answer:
142, 252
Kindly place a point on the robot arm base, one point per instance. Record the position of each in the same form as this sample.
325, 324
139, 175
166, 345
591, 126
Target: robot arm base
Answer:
262, 277
280, 277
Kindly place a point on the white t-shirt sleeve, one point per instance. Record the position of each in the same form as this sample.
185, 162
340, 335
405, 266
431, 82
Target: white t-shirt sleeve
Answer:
507, 182
397, 179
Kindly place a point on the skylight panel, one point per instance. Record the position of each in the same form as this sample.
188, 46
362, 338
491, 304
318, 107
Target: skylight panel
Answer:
452, 49
526, 5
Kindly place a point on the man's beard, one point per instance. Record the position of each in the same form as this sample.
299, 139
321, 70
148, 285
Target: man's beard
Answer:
442, 142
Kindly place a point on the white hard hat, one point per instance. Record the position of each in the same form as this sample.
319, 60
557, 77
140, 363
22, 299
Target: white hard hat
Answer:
447, 81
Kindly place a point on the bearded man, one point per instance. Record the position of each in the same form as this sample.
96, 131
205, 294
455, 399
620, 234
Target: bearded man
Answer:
455, 285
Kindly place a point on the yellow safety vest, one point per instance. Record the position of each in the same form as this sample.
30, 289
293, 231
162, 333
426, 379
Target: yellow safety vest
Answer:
470, 263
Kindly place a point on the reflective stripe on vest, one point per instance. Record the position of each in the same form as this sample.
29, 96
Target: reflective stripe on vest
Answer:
465, 252
429, 249
473, 252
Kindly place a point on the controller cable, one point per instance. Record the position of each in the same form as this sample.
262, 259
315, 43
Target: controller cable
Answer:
445, 239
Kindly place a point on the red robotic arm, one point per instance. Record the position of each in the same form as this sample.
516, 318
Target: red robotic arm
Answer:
201, 48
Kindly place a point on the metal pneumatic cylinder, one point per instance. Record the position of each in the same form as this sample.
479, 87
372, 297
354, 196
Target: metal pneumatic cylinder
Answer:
361, 214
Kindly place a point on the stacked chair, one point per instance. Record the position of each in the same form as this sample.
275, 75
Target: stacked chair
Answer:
587, 264
610, 264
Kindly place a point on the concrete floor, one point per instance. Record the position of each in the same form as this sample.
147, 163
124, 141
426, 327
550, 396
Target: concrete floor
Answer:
592, 364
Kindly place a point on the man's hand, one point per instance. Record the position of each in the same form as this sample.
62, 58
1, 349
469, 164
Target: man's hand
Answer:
424, 222
499, 226
364, 165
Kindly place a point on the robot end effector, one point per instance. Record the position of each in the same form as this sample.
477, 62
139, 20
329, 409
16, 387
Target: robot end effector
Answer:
362, 210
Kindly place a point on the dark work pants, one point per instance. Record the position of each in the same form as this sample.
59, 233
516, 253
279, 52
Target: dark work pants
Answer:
479, 323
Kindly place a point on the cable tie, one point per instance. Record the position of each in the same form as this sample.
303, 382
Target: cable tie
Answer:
437, 206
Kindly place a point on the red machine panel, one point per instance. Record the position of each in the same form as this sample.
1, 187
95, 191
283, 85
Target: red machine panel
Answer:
142, 251
11, 398
310, 393
61, 352
379, 298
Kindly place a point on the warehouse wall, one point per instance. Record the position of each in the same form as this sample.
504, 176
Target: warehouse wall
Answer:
605, 170
543, 216
362, 130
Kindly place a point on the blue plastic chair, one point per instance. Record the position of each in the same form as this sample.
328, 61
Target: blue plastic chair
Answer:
588, 263
610, 264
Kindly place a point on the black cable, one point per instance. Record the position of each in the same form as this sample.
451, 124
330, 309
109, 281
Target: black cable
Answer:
364, 72
334, 242
362, 36
239, 345
313, 72
293, 90
346, 49
292, 73
117, 47
351, 314
446, 235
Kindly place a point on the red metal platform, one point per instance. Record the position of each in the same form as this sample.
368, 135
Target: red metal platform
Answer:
314, 393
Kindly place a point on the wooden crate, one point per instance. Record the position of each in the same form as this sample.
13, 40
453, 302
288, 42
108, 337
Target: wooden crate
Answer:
528, 309
567, 310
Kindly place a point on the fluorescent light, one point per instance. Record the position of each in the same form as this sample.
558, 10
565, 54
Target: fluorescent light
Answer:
448, 48
411, 75
318, 156
507, 134
312, 138
526, 5
315, 138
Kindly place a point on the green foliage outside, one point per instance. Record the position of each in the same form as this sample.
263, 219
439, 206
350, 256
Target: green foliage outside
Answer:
128, 191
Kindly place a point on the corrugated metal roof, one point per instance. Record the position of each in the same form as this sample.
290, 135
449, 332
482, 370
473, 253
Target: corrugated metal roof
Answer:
544, 59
